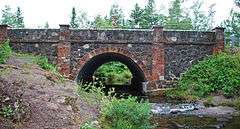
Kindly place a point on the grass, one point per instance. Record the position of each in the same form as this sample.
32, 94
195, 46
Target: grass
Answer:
115, 113
41, 61
213, 75
5, 51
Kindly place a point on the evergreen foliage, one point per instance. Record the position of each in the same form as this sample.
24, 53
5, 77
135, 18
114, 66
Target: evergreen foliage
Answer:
232, 24
15, 20
19, 19
74, 22
176, 18
46, 26
200, 21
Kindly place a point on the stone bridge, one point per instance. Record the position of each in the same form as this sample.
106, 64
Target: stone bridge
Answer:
156, 57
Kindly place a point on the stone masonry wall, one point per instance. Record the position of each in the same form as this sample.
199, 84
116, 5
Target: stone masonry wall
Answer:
183, 49
36, 41
162, 55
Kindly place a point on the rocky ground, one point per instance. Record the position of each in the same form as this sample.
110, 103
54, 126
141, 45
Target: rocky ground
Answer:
38, 100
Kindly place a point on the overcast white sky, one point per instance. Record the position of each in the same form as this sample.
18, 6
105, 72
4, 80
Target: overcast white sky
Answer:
37, 12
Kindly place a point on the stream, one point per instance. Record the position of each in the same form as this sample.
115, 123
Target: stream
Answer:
194, 116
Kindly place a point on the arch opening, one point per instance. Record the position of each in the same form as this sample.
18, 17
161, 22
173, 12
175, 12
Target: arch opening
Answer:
134, 88
113, 73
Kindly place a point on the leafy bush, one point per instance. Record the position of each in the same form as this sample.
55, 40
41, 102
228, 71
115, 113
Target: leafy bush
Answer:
42, 61
216, 74
88, 125
5, 52
93, 93
7, 111
113, 73
116, 113
125, 114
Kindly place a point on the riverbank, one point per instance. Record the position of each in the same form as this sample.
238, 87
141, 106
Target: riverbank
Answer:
35, 98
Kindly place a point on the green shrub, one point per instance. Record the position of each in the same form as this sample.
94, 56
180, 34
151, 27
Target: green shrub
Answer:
125, 114
93, 93
114, 73
216, 74
42, 61
88, 125
115, 113
5, 52
7, 111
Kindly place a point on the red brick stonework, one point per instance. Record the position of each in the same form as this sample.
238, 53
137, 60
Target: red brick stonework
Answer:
219, 46
158, 56
3, 33
64, 51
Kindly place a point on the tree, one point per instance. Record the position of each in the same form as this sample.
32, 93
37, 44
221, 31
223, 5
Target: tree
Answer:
150, 17
19, 19
13, 19
232, 24
116, 16
211, 14
237, 2
74, 22
146, 17
100, 22
46, 26
136, 16
82, 20
176, 18
7, 16
200, 21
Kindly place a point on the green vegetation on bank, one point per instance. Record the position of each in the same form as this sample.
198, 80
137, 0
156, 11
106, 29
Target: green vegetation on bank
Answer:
5, 51
42, 61
217, 74
125, 114
114, 73
115, 113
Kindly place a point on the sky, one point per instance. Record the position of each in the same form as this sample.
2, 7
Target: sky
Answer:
37, 12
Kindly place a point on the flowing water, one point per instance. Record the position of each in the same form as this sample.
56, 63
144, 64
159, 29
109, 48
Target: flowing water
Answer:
193, 116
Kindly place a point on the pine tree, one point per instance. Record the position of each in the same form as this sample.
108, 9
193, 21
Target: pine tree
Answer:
7, 16
74, 22
176, 19
19, 19
116, 16
100, 22
46, 26
146, 17
150, 17
136, 16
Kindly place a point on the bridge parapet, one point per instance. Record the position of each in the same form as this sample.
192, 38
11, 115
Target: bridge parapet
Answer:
132, 36
190, 37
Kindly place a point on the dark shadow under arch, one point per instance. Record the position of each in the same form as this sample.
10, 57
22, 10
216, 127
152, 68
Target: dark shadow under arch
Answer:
87, 71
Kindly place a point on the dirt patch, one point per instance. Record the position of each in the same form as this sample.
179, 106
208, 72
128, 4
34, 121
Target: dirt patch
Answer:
45, 104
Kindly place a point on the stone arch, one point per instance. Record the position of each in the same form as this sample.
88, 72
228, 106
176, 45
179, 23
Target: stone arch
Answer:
94, 59
87, 57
